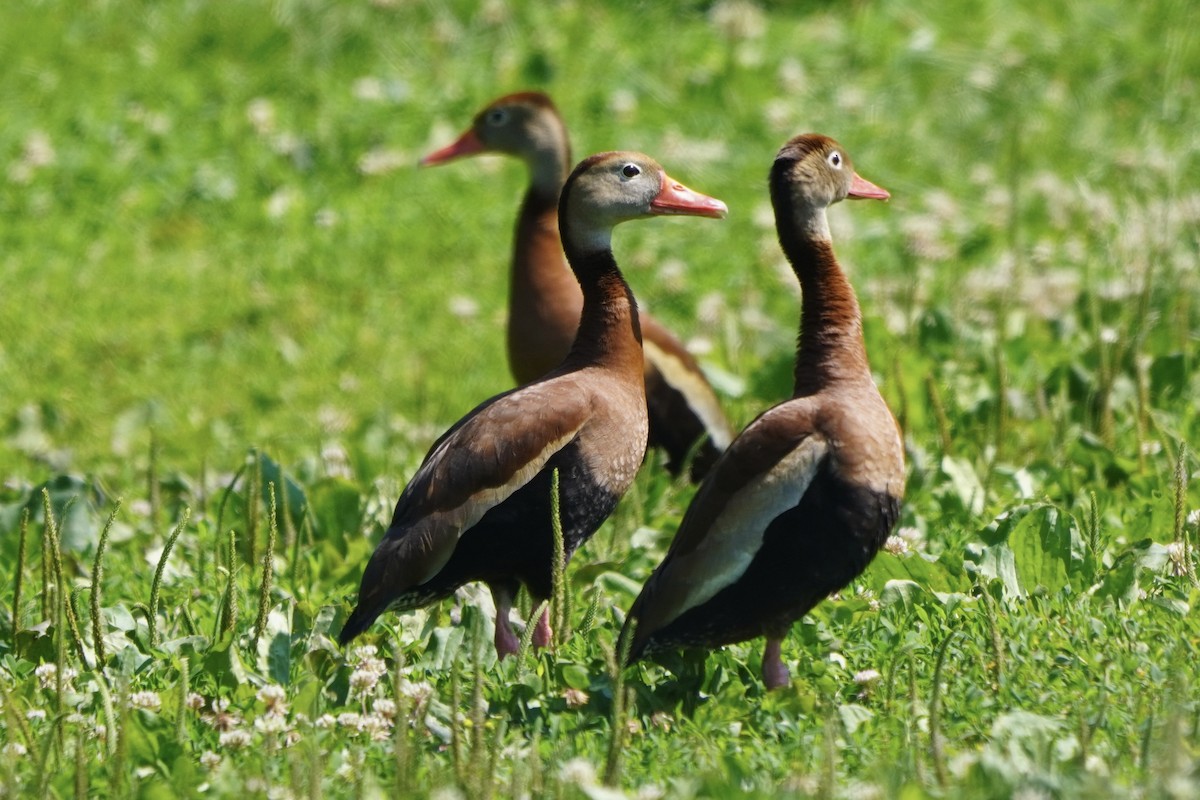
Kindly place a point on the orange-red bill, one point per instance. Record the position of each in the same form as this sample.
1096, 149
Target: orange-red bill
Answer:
675, 198
465, 145
863, 189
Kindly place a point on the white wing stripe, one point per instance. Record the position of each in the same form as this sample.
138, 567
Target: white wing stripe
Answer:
700, 400
464, 517
736, 535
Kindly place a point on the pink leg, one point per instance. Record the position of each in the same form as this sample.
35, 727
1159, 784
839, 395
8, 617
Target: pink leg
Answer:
775, 673
542, 635
507, 643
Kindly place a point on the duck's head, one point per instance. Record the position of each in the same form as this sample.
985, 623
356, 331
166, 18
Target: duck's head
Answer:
525, 125
607, 189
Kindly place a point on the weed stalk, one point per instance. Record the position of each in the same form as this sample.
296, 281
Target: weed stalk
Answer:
229, 607
621, 702
939, 413
559, 614
98, 586
184, 690
989, 612
400, 744
18, 576
60, 594
1181, 486
479, 779
81, 762
217, 543
268, 571
913, 728
456, 736
937, 747
252, 501
156, 585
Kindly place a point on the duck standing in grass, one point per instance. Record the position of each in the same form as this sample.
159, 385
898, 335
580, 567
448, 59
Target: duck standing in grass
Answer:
478, 508
544, 299
801, 501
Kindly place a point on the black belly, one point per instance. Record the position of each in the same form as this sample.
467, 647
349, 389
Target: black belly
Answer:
808, 552
512, 544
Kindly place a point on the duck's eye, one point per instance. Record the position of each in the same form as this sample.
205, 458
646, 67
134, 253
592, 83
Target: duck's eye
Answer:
497, 117
631, 170
835, 159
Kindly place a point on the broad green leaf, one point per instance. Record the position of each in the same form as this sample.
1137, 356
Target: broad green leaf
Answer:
965, 483
336, 508
273, 472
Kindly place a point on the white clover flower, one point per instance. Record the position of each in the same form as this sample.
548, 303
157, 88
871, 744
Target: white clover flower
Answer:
462, 306
273, 697
1177, 558
349, 719
221, 718
14, 750
102, 732
416, 691
194, 701
578, 772
363, 681
382, 160
1193, 518
738, 19
325, 721
866, 676
75, 718
235, 739
147, 700
260, 113
384, 707
447, 793
896, 546
46, 674
377, 726
270, 723
210, 760
291, 738
35, 715
350, 766
575, 698
650, 791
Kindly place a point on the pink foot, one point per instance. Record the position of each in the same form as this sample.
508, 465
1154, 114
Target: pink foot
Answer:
542, 635
774, 671
507, 643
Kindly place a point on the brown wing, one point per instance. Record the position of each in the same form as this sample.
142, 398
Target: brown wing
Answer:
765, 472
478, 464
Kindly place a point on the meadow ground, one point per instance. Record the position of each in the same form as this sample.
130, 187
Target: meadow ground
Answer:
224, 281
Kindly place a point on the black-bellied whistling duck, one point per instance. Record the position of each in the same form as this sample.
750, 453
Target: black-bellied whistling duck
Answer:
805, 496
478, 509
544, 300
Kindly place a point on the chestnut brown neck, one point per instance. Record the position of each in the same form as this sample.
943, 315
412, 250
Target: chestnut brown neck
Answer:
831, 349
538, 266
610, 332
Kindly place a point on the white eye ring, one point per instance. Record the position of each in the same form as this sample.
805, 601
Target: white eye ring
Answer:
835, 159
497, 117
631, 170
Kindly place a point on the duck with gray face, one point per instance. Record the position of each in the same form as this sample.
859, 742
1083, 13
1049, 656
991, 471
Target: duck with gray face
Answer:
544, 302
806, 495
478, 509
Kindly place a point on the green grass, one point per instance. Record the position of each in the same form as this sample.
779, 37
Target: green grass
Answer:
200, 260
